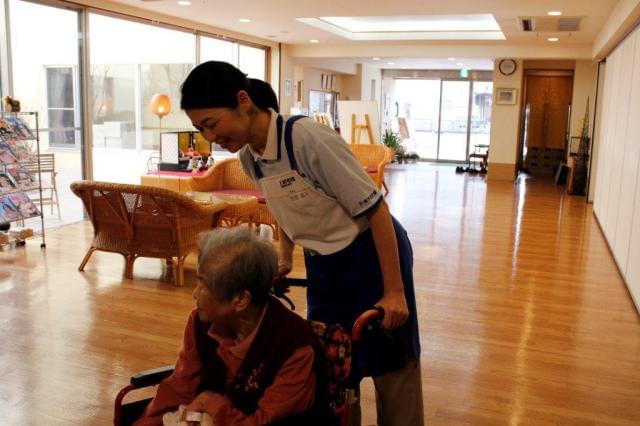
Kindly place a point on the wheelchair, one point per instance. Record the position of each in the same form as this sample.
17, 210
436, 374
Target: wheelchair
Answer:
477, 161
340, 376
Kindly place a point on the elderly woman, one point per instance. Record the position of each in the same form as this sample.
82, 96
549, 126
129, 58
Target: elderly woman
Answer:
237, 362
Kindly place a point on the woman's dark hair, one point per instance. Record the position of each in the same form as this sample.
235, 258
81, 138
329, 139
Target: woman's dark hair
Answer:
216, 84
262, 95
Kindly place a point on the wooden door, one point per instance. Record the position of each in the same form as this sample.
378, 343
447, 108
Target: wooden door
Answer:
547, 107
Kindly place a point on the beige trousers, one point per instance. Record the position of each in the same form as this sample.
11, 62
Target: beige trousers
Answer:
398, 398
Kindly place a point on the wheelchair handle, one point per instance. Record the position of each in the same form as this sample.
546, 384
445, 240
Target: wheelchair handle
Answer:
280, 287
367, 320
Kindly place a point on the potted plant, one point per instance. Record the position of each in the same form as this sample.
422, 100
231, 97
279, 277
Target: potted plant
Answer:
392, 140
412, 156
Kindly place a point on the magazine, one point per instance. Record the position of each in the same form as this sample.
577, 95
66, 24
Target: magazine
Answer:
19, 127
5, 128
8, 212
6, 184
20, 152
6, 156
24, 205
22, 178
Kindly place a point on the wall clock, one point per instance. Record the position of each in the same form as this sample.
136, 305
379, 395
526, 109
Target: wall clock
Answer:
507, 66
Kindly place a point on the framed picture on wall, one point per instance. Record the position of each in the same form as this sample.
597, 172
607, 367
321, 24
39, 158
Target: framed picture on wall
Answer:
287, 88
506, 96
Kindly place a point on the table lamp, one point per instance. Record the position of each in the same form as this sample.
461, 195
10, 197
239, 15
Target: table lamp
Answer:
160, 105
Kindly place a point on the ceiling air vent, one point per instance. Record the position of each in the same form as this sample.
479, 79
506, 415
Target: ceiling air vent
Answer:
526, 24
549, 23
569, 24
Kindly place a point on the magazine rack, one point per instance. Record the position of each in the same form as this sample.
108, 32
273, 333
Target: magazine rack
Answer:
19, 161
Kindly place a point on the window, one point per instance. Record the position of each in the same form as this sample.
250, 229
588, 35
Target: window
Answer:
60, 106
251, 60
131, 62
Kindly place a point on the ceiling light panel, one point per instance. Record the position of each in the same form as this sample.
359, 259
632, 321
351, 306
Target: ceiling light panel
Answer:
362, 24
425, 27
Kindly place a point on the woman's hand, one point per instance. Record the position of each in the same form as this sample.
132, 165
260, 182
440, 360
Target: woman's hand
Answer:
285, 257
395, 308
284, 267
198, 404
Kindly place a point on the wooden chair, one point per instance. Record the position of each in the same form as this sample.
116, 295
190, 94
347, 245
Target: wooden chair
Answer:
373, 158
48, 174
227, 177
143, 221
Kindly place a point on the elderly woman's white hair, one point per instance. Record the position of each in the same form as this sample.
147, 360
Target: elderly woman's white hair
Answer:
233, 260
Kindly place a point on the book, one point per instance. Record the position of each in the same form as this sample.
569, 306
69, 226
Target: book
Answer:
8, 212
22, 178
19, 151
6, 156
5, 128
23, 204
6, 184
18, 126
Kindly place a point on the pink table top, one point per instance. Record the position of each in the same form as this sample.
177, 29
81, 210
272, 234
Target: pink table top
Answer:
176, 174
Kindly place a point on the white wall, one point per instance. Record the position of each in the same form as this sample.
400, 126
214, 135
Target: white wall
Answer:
617, 197
505, 118
371, 76
584, 86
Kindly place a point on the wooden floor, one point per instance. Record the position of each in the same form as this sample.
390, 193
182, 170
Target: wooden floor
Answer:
524, 318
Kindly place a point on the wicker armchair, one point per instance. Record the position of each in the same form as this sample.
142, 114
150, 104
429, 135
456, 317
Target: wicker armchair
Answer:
227, 177
142, 221
374, 158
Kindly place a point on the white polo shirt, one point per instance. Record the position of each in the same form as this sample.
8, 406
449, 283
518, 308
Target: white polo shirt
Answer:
326, 162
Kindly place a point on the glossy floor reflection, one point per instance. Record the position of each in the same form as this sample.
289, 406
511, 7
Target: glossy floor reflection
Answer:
523, 316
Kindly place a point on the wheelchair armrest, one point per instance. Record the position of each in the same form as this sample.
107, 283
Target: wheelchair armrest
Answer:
151, 377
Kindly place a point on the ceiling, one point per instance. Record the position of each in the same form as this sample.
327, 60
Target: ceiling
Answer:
276, 21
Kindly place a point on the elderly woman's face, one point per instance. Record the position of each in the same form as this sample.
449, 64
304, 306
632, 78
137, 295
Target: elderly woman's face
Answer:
210, 307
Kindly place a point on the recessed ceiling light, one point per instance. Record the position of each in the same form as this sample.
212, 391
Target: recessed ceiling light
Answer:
314, 41
404, 68
184, 3
376, 59
244, 20
553, 39
451, 59
390, 63
554, 13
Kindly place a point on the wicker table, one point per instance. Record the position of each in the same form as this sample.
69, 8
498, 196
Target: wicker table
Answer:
241, 208
173, 180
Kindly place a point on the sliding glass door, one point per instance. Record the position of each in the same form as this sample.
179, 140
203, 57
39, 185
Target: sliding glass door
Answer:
46, 79
445, 119
419, 102
454, 117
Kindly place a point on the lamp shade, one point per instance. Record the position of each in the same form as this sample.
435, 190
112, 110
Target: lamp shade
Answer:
160, 105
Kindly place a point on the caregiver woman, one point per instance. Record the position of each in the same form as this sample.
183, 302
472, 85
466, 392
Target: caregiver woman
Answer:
356, 254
